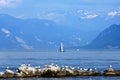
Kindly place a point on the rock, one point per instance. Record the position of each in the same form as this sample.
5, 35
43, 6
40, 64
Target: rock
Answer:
48, 73
109, 73
61, 74
20, 74
25, 71
8, 73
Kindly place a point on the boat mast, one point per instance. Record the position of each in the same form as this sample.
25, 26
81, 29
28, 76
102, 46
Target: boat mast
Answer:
61, 47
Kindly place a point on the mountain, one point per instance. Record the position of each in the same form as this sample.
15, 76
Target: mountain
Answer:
107, 39
32, 33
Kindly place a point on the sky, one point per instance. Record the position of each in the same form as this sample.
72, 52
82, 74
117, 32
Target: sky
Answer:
59, 10
30, 7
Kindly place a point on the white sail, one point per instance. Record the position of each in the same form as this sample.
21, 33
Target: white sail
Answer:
61, 47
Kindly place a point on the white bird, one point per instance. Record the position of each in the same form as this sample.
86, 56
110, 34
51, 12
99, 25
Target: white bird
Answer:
110, 66
66, 66
56, 65
28, 65
22, 65
85, 69
63, 68
95, 68
52, 64
78, 67
81, 69
90, 69
70, 67
73, 68
37, 67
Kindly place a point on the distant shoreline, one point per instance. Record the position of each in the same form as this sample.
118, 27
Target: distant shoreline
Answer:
54, 50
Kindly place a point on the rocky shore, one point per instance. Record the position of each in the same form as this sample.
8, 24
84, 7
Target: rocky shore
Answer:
53, 70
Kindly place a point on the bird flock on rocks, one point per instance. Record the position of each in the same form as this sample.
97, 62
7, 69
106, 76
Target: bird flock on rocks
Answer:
54, 70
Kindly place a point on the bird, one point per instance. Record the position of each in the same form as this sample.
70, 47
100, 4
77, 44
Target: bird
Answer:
110, 66
95, 68
81, 69
85, 69
90, 69
37, 67
66, 66
52, 64
78, 67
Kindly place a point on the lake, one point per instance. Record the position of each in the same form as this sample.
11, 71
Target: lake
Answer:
85, 59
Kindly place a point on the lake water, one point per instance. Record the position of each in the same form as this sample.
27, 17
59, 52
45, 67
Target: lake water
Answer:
85, 59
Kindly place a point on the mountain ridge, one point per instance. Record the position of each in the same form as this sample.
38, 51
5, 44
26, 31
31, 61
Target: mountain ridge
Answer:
107, 39
18, 33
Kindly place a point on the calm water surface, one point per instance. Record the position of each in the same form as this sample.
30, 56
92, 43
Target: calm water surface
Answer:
87, 59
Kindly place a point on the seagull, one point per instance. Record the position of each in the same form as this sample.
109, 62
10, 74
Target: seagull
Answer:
37, 67
110, 66
56, 65
66, 67
78, 67
52, 64
85, 69
90, 69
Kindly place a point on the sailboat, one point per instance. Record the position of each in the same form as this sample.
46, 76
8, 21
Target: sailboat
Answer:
61, 47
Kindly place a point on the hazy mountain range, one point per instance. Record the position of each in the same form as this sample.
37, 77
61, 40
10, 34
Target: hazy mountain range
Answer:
16, 33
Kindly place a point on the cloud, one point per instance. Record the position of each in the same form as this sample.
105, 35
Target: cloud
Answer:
90, 16
85, 14
113, 13
9, 3
57, 17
